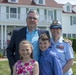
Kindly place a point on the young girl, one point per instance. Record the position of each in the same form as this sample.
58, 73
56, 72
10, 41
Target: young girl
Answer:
49, 62
26, 66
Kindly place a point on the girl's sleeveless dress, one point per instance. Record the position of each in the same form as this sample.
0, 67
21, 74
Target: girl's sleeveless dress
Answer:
25, 68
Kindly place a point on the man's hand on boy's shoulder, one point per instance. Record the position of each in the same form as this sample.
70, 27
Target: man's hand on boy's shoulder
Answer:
68, 41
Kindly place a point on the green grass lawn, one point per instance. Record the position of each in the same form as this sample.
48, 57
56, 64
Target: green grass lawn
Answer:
75, 56
4, 68
74, 69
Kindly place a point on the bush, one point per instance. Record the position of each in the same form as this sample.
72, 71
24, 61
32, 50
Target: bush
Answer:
1, 55
74, 45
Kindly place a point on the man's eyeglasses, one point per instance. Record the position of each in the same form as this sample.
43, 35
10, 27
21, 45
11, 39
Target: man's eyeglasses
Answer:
34, 18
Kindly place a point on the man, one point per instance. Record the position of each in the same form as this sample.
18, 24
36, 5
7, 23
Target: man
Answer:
62, 48
30, 33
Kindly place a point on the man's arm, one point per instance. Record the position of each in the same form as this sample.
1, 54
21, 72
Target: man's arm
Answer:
11, 50
69, 56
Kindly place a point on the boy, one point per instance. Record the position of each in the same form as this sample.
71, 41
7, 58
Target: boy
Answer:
49, 62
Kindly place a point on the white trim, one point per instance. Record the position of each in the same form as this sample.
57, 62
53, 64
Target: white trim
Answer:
16, 1
1, 36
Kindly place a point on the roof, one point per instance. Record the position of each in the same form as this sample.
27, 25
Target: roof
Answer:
49, 3
69, 12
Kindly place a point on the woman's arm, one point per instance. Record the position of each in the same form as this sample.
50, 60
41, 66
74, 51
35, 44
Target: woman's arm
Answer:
36, 69
68, 65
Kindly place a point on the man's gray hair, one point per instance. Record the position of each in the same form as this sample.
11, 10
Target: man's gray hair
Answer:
33, 11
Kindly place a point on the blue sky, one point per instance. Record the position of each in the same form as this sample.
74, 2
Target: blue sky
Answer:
65, 1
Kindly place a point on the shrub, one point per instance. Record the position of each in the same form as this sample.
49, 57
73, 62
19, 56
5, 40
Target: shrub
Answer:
74, 45
1, 55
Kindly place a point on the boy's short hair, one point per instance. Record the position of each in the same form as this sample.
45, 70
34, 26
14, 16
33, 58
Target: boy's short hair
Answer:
44, 37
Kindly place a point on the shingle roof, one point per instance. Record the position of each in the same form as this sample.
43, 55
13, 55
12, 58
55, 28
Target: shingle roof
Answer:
49, 3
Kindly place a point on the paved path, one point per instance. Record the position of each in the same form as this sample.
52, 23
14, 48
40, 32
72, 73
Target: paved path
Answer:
3, 59
74, 61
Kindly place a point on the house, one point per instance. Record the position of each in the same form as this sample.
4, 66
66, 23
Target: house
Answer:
13, 15
69, 20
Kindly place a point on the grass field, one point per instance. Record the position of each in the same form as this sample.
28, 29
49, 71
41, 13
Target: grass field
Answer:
4, 68
75, 56
74, 69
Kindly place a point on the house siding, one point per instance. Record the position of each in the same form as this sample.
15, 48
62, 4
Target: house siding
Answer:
7, 24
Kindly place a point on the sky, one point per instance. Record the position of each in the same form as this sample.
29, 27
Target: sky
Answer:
65, 1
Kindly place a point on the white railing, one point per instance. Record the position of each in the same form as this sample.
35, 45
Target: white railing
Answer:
22, 17
12, 17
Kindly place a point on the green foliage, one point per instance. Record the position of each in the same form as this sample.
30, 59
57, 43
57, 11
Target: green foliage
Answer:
71, 39
74, 68
1, 55
74, 45
74, 56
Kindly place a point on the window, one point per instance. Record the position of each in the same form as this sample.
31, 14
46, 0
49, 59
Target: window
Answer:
27, 9
0, 12
64, 35
50, 16
54, 15
40, 1
0, 9
50, 13
13, 13
69, 35
74, 35
15, 1
32, 9
73, 20
38, 10
68, 8
45, 14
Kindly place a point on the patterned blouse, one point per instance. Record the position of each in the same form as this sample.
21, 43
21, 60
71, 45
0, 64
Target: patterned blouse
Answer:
25, 68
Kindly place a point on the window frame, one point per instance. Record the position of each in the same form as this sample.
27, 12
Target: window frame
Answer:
16, 1
9, 13
68, 8
73, 20
41, 2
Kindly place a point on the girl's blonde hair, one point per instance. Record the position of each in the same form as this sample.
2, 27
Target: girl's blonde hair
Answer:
26, 42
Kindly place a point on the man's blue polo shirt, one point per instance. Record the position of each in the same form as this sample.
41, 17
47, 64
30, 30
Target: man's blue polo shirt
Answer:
33, 38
